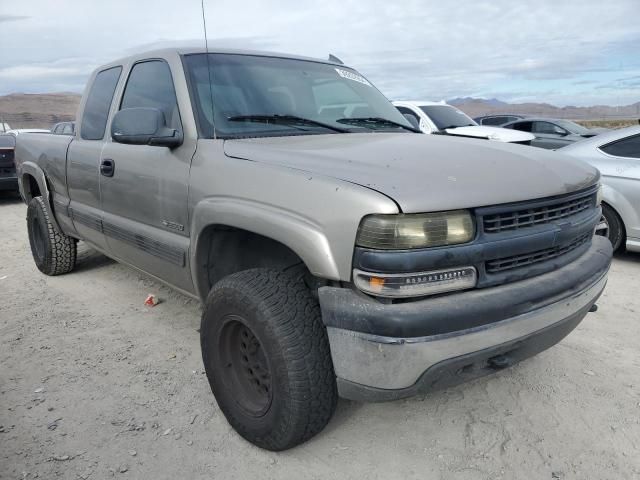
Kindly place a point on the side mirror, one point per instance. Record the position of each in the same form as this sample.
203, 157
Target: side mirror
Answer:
413, 121
560, 131
144, 126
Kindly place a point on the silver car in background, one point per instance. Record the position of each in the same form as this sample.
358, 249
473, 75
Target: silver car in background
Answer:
617, 155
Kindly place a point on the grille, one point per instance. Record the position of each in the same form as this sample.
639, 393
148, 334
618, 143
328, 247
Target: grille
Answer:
528, 217
516, 261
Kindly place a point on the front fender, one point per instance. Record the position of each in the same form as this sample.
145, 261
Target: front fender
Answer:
300, 234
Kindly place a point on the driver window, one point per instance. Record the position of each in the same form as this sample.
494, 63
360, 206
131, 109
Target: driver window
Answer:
150, 85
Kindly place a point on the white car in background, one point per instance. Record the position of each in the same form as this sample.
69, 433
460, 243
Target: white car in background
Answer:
617, 155
441, 118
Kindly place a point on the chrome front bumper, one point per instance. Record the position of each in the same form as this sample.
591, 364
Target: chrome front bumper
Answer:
398, 363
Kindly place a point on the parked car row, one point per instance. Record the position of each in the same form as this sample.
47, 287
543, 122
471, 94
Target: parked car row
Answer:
551, 133
440, 118
615, 153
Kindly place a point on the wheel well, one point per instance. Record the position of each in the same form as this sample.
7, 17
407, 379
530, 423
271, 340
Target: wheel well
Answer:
223, 250
613, 209
31, 188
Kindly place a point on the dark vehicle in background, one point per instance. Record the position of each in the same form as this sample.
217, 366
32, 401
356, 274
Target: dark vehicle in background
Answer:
8, 177
551, 133
64, 128
617, 155
497, 120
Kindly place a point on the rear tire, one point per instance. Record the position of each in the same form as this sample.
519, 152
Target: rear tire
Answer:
267, 358
54, 253
611, 226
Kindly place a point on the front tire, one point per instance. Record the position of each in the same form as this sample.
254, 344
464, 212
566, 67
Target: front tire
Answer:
267, 358
54, 253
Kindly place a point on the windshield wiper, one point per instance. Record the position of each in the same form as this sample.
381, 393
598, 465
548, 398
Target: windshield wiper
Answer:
289, 120
374, 121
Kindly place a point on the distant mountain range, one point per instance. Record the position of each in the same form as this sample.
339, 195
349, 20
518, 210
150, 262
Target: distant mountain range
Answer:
475, 107
41, 110
38, 110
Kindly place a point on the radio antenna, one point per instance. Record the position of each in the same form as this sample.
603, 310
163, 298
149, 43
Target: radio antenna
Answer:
206, 47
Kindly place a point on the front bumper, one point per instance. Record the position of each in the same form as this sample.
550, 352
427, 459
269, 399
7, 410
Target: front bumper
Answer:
465, 335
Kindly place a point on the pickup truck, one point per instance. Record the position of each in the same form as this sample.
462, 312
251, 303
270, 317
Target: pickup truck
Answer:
335, 248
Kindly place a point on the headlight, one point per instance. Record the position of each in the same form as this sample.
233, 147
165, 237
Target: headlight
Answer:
599, 195
415, 284
405, 231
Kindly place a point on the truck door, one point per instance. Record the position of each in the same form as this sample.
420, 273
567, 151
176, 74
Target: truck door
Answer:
145, 188
83, 158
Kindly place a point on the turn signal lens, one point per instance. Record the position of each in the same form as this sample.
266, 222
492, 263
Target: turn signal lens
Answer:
415, 284
406, 231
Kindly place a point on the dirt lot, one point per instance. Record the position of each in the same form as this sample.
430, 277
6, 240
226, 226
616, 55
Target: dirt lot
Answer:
95, 385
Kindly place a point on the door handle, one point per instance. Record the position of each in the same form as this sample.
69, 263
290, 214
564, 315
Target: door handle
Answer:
107, 167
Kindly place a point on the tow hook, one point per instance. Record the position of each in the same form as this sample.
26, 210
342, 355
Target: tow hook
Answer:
499, 362
594, 308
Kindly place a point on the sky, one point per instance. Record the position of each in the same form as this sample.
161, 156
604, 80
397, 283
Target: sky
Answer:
560, 52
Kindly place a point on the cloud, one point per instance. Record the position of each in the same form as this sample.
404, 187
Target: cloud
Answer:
413, 49
12, 18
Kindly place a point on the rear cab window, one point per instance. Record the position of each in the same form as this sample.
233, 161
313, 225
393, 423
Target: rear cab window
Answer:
96, 110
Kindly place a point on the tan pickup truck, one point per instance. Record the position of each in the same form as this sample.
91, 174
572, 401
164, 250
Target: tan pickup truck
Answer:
336, 249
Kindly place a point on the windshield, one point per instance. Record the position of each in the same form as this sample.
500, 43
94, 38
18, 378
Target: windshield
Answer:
572, 127
446, 116
256, 86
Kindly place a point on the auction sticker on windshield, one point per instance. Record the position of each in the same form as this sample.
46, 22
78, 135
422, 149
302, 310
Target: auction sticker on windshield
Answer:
352, 76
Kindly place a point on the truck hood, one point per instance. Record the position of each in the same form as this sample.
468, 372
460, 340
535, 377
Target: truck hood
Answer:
491, 133
424, 172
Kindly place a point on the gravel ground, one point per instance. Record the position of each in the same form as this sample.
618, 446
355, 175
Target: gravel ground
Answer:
95, 385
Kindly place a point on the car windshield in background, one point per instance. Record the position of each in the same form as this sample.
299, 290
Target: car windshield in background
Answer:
573, 127
256, 95
445, 116
7, 141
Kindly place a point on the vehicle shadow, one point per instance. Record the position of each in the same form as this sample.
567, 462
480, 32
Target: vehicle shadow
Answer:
627, 257
89, 259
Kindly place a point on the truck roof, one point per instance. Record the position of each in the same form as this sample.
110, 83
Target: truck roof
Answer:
188, 50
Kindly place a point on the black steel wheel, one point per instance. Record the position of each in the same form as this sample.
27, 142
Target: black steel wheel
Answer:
266, 354
248, 371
